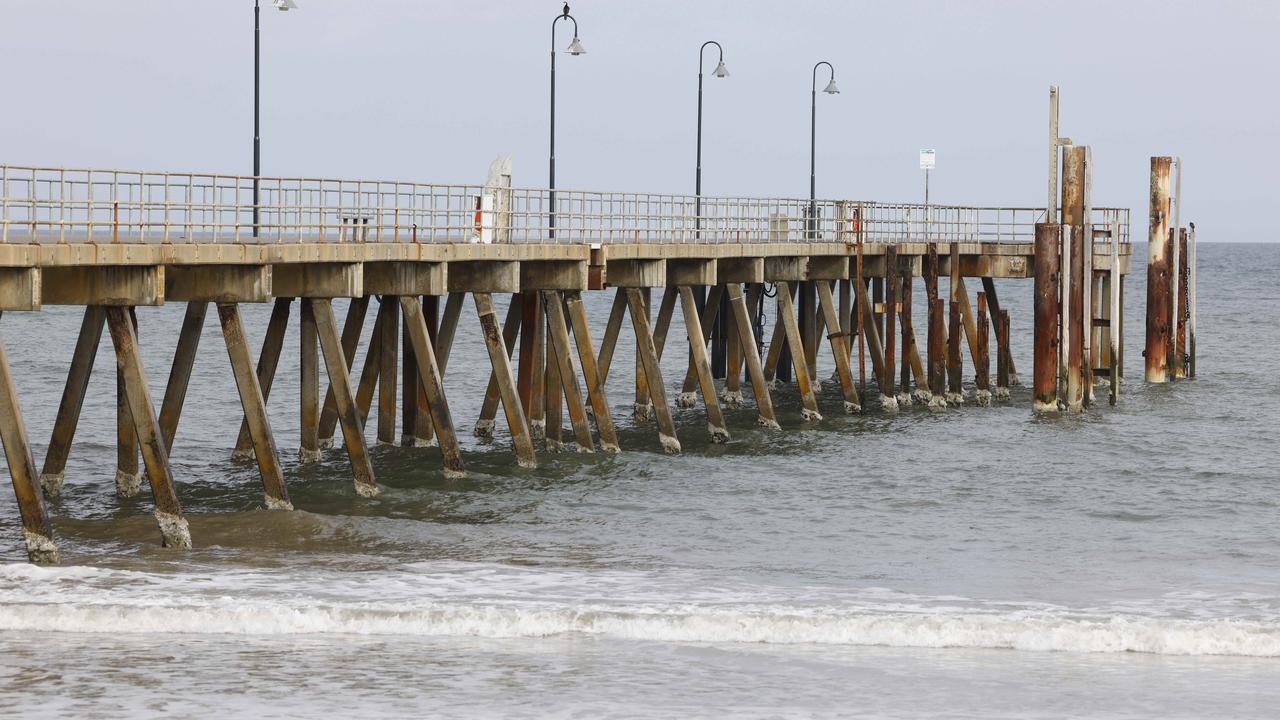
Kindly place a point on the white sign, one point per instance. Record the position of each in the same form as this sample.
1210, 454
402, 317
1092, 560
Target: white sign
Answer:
926, 159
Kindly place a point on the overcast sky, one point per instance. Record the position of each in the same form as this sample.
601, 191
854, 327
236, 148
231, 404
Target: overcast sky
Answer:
432, 91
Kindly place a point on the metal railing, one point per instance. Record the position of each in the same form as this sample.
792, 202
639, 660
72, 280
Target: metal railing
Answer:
62, 205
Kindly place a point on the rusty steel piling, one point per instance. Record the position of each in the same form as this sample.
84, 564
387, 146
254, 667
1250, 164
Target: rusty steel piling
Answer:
1045, 371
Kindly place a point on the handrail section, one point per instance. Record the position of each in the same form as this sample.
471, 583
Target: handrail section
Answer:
65, 205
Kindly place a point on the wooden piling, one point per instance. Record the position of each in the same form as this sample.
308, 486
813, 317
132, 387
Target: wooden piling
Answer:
309, 385
53, 473
551, 393
424, 356
410, 387
352, 327
777, 349
651, 371
600, 411
955, 364
128, 481
786, 316
510, 331
558, 334
1002, 360
530, 370
1045, 372
501, 364
993, 303
174, 531
888, 392
36, 530
912, 366
1158, 273
389, 361
275, 494
706, 322
184, 358
326, 328
732, 395
746, 334
448, 329
982, 368
643, 408
702, 366
611, 330
871, 332
368, 384
268, 359
808, 323
839, 341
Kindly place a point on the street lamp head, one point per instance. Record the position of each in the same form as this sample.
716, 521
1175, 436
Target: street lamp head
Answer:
831, 88
283, 5
721, 71
575, 47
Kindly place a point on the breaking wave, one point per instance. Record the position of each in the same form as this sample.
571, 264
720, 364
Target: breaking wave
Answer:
99, 604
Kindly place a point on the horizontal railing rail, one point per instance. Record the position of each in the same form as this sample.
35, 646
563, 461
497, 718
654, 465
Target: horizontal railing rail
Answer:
63, 205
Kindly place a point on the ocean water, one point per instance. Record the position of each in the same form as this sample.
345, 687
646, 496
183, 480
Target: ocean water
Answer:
979, 563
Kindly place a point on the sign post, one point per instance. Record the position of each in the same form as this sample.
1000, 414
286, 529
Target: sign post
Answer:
927, 158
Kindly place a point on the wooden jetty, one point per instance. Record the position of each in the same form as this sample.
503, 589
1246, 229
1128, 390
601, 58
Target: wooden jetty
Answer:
840, 272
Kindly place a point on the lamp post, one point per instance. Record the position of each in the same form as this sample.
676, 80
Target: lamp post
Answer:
719, 72
830, 89
281, 5
575, 48
807, 301
719, 361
